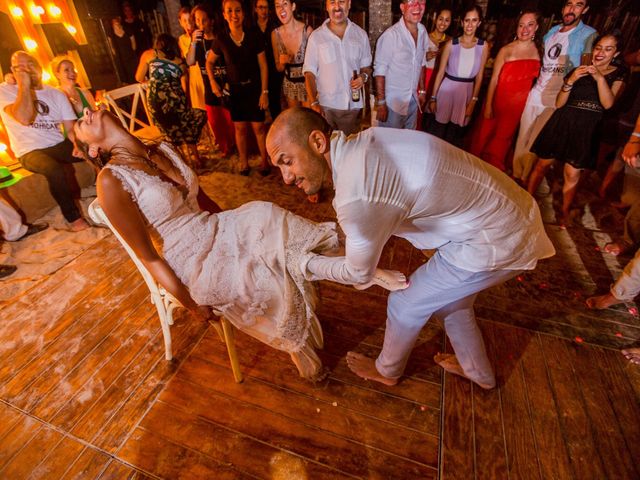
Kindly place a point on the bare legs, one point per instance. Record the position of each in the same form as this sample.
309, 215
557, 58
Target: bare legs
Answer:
242, 132
538, 173
571, 179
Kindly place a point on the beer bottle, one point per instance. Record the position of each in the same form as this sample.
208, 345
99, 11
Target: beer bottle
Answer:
355, 94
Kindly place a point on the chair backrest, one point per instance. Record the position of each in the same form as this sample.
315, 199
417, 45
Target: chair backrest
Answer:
124, 102
98, 216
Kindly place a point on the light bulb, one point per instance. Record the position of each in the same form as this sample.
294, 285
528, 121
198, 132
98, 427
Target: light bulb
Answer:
30, 43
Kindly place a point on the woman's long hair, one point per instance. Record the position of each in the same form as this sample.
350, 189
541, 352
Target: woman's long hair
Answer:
168, 45
539, 35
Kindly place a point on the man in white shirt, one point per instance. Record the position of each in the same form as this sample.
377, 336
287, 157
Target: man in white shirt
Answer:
336, 50
564, 45
399, 68
32, 113
409, 184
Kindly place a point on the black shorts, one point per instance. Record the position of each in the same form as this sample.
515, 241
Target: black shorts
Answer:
243, 103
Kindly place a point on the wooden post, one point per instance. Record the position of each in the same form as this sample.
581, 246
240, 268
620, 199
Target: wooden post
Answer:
380, 19
173, 7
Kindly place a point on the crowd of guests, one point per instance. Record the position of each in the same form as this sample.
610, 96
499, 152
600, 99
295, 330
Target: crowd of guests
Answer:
543, 106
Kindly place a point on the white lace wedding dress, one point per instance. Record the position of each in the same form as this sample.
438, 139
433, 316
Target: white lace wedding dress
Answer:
244, 263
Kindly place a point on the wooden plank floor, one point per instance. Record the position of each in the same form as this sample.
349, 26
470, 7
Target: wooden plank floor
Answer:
85, 391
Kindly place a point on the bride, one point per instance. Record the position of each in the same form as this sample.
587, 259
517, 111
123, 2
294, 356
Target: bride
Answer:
243, 263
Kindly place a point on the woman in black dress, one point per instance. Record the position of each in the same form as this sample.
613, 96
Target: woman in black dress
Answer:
587, 92
247, 73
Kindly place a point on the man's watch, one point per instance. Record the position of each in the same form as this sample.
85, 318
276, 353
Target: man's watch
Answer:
366, 76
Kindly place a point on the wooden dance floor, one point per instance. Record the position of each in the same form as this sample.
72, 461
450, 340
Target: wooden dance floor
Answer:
85, 391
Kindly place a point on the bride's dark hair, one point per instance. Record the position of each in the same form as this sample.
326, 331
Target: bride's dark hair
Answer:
103, 157
100, 161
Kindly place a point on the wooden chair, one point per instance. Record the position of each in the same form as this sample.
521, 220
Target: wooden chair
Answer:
133, 95
165, 302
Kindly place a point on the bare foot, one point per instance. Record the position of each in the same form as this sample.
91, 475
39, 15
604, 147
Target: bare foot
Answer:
450, 364
615, 248
602, 301
632, 354
365, 367
79, 225
391, 280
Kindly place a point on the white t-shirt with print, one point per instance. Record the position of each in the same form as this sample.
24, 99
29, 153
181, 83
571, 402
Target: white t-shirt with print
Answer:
52, 106
554, 68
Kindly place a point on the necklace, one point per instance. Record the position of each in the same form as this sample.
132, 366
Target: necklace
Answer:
237, 42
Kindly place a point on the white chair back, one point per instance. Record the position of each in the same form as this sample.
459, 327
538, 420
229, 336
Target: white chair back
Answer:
136, 95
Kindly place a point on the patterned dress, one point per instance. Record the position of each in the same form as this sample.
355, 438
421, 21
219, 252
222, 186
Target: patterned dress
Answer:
168, 104
293, 83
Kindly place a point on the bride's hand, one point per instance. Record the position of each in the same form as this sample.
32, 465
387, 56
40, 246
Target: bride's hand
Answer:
391, 280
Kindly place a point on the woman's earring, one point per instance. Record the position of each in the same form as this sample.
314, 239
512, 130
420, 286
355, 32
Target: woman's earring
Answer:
533, 37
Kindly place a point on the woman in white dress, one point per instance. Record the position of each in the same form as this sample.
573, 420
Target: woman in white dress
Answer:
243, 263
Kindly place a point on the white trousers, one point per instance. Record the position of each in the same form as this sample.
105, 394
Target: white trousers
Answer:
10, 222
533, 118
449, 292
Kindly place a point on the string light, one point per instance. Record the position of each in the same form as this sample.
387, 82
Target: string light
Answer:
36, 10
30, 43
16, 11
3, 147
54, 10
70, 28
46, 76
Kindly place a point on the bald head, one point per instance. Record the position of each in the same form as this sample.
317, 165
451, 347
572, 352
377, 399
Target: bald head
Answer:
22, 56
23, 64
296, 124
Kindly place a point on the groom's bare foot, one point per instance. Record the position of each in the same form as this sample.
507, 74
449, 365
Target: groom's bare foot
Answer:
602, 301
632, 354
365, 367
449, 363
391, 280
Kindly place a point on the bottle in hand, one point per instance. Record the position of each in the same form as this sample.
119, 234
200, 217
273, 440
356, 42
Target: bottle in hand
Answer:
355, 94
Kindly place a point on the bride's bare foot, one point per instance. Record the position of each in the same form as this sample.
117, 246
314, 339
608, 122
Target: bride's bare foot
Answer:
449, 363
391, 280
365, 367
602, 301
632, 354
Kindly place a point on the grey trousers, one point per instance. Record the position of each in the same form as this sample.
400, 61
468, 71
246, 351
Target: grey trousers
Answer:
439, 288
348, 121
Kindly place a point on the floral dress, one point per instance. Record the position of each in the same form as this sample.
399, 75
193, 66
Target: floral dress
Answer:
168, 104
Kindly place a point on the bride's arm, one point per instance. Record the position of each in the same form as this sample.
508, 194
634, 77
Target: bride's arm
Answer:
124, 215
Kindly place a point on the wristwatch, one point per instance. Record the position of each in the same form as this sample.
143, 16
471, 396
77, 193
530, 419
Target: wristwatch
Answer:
366, 76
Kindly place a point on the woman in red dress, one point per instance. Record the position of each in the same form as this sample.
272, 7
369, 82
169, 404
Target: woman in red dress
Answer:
515, 68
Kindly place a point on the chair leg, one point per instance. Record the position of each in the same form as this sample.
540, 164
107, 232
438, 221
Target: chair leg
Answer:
229, 340
166, 319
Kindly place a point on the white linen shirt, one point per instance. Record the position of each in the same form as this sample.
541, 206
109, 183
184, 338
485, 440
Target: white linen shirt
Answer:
45, 131
400, 60
332, 61
421, 188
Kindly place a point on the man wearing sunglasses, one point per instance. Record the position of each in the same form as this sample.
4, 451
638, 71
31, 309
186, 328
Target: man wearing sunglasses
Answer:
399, 68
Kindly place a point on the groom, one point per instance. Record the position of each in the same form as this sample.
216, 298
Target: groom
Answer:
412, 185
